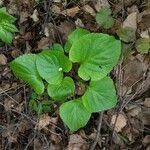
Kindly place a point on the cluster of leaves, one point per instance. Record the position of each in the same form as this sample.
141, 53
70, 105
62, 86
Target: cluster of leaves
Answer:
7, 28
96, 54
126, 34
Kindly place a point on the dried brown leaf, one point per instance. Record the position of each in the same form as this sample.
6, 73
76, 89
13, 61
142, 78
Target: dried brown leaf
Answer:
3, 59
71, 12
76, 142
44, 120
121, 122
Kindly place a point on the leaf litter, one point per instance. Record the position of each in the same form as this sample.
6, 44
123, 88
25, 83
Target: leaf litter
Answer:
130, 127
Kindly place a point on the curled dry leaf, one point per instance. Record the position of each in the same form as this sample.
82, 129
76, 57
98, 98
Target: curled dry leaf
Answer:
147, 102
79, 23
3, 59
44, 120
44, 43
89, 10
70, 12
133, 71
133, 110
54, 138
146, 140
1, 2
145, 34
120, 123
76, 142
55, 9
98, 4
131, 21
34, 16
24, 16
65, 28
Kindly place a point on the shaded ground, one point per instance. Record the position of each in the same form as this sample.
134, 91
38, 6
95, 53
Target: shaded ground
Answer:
43, 23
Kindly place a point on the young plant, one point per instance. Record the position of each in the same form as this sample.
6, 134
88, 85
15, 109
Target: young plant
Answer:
95, 53
7, 28
104, 18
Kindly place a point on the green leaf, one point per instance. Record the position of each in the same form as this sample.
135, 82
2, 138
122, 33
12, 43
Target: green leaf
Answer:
57, 46
97, 54
126, 34
104, 18
24, 67
100, 95
74, 36
6, 26
5, 36
61, 91
5, 16
143, 45
51, 65
74, 114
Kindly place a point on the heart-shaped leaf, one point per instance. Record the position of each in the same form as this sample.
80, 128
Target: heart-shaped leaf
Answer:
97, 54
24, 67
51, 65
62, 90
74, 114
100, 95
74, 36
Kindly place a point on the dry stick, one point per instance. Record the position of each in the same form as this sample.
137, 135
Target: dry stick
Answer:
98, 131
47, 15
123, 9
119, 76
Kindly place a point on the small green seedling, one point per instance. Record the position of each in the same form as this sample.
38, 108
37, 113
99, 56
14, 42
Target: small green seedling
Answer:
94, 55
143, 45
104, 18
7, 28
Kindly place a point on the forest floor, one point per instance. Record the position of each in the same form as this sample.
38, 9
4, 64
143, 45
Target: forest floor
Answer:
44, 22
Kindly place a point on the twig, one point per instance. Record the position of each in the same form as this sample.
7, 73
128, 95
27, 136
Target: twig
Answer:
98, 131
123, 9
47, 15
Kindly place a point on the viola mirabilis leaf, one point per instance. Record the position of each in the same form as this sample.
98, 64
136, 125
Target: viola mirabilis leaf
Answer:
51, 65
97, 54
74, 114
62, 90
24, 67
74, 36
100, 95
